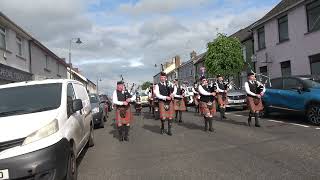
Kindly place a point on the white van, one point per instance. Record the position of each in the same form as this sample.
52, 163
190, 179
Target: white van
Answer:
44, 125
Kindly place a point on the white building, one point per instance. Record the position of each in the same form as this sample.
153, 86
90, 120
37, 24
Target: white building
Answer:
45, 64
15, 61
287, 39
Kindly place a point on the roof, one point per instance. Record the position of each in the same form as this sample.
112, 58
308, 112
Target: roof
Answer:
18, 28
28, 83
283, 6
185, 63
243, 34
200, 58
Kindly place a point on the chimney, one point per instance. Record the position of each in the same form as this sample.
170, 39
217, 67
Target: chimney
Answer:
177, 61
193, 54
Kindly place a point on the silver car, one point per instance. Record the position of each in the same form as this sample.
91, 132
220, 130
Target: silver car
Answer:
237, 98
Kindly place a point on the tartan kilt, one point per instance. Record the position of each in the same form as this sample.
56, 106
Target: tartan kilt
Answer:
196, 101
222, 99
128, 115
255, 104
166, 114
206, 110
179, 105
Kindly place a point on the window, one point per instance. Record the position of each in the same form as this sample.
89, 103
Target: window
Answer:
70, 98
19, 45
276, 83
47, 62
264, 70
261, 39
2, 38
244, 53
285, 68
290, 83
315, 64
313, 15
283, 28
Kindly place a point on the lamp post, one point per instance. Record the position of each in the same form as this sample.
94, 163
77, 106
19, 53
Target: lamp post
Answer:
98, 84
72, 40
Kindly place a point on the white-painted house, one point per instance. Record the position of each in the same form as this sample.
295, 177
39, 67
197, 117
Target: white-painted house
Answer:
287, 39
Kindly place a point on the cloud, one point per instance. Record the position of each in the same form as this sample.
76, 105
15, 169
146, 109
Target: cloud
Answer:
123, 43
161, 7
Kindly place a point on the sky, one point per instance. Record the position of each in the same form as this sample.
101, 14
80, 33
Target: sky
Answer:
129, 37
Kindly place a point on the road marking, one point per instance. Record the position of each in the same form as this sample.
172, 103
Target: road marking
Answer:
299, 125
238, 115
276, 121
318, 128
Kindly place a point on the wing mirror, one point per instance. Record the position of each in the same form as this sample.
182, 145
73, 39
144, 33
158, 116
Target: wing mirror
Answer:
77, 105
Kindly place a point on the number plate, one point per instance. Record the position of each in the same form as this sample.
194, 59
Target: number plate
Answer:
238, 101
4, 174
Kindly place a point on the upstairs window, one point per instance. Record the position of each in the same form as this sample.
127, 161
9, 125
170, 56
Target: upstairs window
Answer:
286, 68
19, 45
313, 15
2, 38
261, 39
283, 28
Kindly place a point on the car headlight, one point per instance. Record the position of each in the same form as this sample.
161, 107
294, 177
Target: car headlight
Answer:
95, 110
44, 132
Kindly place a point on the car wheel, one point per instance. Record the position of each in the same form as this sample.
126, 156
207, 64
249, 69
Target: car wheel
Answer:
313, 114
72, 173
91, 138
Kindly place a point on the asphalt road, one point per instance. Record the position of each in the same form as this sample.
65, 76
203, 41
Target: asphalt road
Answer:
284, 148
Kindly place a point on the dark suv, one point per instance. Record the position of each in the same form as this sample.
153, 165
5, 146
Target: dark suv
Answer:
294, 94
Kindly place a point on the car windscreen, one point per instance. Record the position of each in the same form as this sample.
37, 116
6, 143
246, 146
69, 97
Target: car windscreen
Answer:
94, 99
29, 99
312, 84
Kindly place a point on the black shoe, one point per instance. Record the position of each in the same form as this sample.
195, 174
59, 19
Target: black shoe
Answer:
211, 129
180, 121
169, 133
249, 121
126, 138
162, 131
257, 125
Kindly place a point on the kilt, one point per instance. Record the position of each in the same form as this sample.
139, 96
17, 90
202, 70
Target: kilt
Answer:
196, 101
206, 110
255, 104
166, 114
179, 105
222, 99
128, 115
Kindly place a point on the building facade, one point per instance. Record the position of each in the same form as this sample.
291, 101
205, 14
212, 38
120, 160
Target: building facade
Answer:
14, 52
286, 40
45, 64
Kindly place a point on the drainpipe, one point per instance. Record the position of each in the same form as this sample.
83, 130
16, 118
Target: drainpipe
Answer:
30, 59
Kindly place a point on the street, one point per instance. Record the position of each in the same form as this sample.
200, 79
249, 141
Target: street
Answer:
284, 148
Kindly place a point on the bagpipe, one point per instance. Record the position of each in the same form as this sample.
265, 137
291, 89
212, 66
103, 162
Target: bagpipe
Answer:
127, 95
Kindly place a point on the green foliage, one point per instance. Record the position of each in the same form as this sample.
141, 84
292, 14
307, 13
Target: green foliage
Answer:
224, 56
145, 85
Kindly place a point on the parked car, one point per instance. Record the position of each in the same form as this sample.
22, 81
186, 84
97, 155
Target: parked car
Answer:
144, 99
237, 98
294, 94
107, 102
44, 126
98, 111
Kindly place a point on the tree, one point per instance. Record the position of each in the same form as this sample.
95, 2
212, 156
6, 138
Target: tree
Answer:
145, 85
224, 56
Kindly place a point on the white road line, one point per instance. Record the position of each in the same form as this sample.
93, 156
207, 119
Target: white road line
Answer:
299, 125
238, 115
276, 121
318, 128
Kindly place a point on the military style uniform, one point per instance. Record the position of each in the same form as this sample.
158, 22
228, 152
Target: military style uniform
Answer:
123, 113
179, 103
162, 91
208, 105
222, 98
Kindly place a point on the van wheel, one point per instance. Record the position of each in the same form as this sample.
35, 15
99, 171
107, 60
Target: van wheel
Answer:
72, 173
91, 138
313, 114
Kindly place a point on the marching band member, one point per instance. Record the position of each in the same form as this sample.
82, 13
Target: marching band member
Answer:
122, 99
255, 90
179, 103
163, 93
207, 103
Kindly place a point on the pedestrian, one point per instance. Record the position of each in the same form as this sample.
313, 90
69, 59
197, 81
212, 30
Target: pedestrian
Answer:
255, 90
163, 93
122, 99
222, 89
179, 103
207, 103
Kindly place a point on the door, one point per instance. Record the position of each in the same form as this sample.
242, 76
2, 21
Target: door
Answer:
74, 118
291, 98
86, 116
272, 94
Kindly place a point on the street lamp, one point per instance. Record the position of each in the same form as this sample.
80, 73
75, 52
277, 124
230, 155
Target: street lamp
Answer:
72, 40
98, 84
